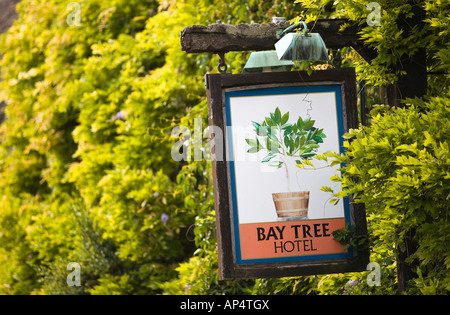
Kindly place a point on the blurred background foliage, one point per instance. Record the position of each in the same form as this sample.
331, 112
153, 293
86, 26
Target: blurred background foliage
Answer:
86, 173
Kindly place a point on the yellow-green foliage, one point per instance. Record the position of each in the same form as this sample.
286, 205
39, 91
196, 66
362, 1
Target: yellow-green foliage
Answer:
399, 165
413, 183
400, 168
86, 173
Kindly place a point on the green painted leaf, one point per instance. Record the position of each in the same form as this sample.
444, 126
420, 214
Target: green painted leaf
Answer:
273, 146
256, 125
300, 123
276, 164
270, 122
268, 158
252, 142
253, 150
277, 116
308, 124
285, 118
307, 155
318, 139
302, 141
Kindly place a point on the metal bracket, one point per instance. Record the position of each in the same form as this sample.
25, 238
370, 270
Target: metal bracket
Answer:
280, 34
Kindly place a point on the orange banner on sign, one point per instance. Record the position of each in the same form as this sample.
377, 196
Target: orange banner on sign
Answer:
290, 238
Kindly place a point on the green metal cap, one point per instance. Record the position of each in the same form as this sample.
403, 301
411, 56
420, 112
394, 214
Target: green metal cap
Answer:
302, 46
266, 61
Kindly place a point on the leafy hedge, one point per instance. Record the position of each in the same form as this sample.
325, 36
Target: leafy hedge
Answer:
85, 172
400, 168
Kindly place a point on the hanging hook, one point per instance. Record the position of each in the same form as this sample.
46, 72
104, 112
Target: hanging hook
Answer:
222, 67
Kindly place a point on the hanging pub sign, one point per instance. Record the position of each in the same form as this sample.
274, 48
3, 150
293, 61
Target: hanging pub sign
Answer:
273, 217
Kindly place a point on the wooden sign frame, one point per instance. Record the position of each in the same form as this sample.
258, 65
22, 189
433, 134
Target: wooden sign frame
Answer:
232, 263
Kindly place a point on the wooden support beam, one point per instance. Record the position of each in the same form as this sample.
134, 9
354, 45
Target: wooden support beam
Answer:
222, 38
217, 38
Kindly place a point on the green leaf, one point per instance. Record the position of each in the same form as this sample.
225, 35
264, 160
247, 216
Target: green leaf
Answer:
300, 123
273, 136
287, 141
327, 189
291, 147
273, 146
277, 116
256, 125
307, 155
307, 162
318, 139
276, 164
285, 118
308, 125
315, 132
270, 122
321, 157
252, 142
268, 158
302, 141
262, 131
334, 201
253, 150
287, 128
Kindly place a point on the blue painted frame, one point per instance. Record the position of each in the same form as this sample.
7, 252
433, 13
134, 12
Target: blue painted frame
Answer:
283, 91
